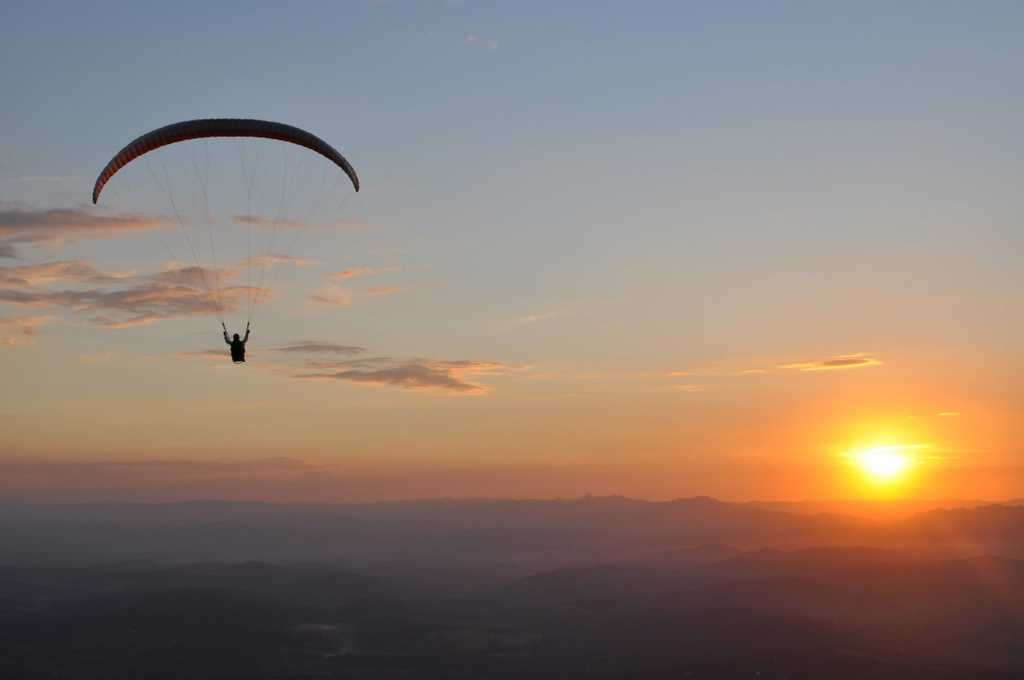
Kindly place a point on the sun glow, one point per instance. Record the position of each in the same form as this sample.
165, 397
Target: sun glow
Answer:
884, 463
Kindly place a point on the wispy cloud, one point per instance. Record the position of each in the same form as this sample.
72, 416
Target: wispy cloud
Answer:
350, 273
316, 347
370, 363
417, 374
276, 259
688, 388
20, 330
837, 363
176, 273
7, 251
334, 294
284, 223
357, 272
331, 295
128, 300
61, 271
26, 225
259, 221
475, 40
948, 414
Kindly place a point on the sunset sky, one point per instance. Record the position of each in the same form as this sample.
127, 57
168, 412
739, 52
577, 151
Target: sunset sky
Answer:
658, 249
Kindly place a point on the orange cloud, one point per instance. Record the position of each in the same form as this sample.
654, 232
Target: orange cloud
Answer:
350, 273
20, 330
70, 271
688, 388
838, 363
275, 259
357, 272
331, 295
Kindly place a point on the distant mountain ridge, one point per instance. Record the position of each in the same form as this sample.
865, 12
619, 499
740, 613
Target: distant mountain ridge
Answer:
527, 532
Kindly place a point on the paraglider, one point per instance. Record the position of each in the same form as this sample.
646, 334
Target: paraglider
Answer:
225, 128
237, 345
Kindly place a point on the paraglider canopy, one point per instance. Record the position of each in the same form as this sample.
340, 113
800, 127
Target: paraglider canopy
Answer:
220, 127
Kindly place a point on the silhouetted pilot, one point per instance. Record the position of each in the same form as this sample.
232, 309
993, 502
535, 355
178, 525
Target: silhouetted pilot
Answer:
237, 345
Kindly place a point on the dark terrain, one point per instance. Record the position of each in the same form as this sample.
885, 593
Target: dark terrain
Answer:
591, 588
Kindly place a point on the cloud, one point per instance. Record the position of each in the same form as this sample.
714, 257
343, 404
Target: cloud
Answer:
679, 374
334, 294
259, 221
315, 347
158, 301
418, 374
61, 271
357, 272
843, 362
172, 293
371, 363
175, 273
481, 42
452, 376
350, 273
948, 414
7, 251
688, 388
284, 223
20, 330
331, 295
24, 225
275, 259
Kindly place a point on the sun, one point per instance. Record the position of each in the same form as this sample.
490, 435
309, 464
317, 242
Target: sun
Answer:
884, 463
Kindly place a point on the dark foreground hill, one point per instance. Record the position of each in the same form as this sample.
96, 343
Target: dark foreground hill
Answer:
824, 612
607, 588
